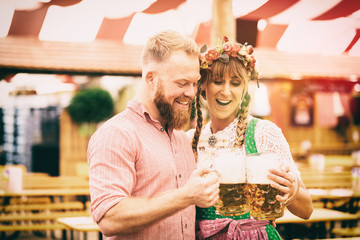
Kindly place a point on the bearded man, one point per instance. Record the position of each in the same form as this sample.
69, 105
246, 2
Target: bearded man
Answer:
143, 182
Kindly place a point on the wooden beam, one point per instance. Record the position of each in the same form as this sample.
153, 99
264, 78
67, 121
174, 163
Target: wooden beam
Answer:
224, 23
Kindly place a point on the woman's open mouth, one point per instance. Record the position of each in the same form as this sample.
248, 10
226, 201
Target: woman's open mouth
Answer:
223, 103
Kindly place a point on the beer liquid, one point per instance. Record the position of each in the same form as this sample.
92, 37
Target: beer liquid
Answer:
232, 199
263, 203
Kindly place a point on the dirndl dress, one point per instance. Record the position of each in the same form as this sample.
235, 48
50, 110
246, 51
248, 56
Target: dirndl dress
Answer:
210, 225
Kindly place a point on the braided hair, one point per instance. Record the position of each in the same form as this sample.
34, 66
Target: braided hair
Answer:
237, 68
199, 122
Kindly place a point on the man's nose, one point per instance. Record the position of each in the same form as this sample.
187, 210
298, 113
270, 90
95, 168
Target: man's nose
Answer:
191, 91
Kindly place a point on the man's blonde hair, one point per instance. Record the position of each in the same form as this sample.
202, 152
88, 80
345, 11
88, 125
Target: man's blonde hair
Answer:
160, 47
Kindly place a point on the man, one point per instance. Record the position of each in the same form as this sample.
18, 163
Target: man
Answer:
143, 181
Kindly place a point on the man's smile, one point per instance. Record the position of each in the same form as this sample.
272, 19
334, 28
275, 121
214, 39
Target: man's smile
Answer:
183, 102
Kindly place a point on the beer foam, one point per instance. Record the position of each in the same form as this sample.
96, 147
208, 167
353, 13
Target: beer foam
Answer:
230, 165
257, 167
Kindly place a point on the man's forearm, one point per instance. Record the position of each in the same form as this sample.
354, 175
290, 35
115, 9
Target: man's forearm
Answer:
133, 214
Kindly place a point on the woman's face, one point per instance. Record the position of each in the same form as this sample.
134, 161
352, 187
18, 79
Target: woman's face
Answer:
224, 95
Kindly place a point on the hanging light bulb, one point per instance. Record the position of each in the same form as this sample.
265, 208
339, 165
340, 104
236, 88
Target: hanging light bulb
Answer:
338, 107
260, 105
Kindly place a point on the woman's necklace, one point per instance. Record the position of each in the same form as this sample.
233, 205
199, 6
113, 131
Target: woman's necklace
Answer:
212, 139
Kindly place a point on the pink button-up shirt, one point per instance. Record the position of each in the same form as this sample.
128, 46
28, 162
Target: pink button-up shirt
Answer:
132, 155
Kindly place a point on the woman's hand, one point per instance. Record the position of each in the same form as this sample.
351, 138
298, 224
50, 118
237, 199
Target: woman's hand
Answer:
285, 181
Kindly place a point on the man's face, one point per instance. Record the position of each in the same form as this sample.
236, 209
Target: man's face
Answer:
174, 118
176, 88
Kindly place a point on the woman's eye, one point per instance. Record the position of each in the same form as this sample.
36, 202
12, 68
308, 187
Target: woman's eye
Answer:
218, 82
236, 82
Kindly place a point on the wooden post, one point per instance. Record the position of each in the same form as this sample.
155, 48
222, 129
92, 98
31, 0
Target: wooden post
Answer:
73, 146
224, 23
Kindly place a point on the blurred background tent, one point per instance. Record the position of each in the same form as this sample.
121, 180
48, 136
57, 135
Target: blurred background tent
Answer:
308, 52
104, 36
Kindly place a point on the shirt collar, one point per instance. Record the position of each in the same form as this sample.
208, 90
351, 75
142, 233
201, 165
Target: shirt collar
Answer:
140, 109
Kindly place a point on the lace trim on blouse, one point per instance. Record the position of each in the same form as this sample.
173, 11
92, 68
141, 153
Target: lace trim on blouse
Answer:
268, 138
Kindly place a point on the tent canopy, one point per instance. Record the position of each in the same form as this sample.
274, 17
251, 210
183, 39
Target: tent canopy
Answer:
318, 38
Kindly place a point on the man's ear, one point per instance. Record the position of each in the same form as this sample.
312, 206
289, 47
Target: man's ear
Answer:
150, 78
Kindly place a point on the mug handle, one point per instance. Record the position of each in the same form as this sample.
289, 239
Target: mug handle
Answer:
291, 198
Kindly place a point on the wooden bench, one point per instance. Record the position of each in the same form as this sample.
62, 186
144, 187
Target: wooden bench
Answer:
37, 221
66, 206
41, 216
29, 200
347, 232
33, 227
347, 238
38, 217
327, 180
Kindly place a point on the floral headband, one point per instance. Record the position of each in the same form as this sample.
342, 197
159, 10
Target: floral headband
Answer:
223, 50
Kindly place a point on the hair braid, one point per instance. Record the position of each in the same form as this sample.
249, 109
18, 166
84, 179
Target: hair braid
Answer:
242, 123
198, 124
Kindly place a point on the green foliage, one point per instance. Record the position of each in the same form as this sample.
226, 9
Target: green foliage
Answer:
91, 106
224, 58
203, 49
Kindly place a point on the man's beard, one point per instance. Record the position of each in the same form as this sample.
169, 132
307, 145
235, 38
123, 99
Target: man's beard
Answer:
174, 119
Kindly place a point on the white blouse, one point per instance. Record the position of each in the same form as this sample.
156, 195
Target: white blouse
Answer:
268, 138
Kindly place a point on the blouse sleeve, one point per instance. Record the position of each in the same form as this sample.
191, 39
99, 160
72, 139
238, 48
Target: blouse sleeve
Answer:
190, 134
269, 138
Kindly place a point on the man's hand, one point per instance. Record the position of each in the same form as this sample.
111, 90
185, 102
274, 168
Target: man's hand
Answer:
203, 187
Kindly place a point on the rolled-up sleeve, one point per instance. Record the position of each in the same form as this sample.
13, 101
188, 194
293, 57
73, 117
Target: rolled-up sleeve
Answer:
111, 158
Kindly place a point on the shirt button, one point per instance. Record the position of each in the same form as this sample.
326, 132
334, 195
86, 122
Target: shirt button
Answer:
179, 175
162, 129
185, 225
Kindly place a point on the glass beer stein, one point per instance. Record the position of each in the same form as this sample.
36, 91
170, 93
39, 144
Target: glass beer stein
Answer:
230, 166
262, 197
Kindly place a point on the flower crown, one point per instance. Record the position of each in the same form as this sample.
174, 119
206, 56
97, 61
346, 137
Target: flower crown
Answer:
223, 50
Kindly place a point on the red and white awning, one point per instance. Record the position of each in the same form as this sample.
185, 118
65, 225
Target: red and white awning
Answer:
328, 27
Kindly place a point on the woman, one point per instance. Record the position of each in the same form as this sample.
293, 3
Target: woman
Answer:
225, 73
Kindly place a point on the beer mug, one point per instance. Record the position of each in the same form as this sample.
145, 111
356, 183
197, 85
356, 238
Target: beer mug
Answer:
262, 196
230, 166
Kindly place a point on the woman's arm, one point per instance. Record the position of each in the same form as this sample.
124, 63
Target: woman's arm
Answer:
301, 206
269, 138
300, 203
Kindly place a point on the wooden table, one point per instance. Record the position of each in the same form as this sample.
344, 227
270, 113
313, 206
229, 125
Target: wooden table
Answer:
40, 182
325, 217
328, 196
47, 192
53, 187
318, 215
81, 224
333, 193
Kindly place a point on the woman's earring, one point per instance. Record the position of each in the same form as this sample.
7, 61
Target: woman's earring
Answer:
203, 94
